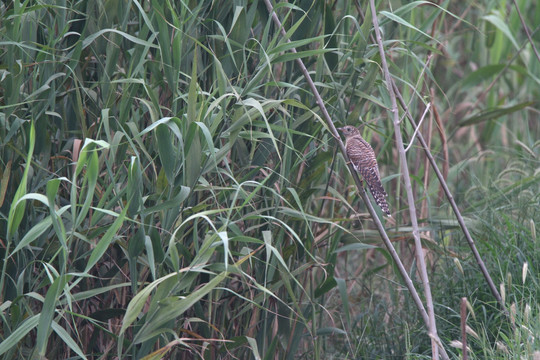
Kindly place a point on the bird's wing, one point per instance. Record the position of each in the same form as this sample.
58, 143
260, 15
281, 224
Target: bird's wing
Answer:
363, 159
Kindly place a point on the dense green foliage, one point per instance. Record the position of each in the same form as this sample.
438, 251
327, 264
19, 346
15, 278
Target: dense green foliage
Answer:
169, 189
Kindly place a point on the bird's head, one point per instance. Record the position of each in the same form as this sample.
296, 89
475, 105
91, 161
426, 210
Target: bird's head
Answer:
349, 131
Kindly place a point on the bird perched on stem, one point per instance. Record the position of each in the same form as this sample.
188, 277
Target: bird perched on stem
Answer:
363, 159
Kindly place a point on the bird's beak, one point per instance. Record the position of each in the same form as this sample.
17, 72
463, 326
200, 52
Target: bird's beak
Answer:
340, 129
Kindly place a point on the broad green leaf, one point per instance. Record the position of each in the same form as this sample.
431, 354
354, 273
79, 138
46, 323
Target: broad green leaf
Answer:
6, 173
254, 348
91, 38
20, 332
106, 240
193, 155
495, 19
250, 102
175, 309
495, 113
343, 292
287, 46
16, 211
402, 21
300, 55
37, 230
136, 304
90, 179
134, 187
47, 313
88, 294
68, 340
52, 190
486, 73
150, 255
328, 331
177, 200
167, 153
354, 247
328, 284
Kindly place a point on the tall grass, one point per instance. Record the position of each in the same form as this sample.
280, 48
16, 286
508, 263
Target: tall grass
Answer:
169, 190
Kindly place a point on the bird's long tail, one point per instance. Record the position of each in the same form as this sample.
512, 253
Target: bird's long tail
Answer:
377, 190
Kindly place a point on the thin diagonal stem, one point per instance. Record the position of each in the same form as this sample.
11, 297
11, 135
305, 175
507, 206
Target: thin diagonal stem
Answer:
408, 282
446, 190
421, 264
444, 186
452, 202
527, 32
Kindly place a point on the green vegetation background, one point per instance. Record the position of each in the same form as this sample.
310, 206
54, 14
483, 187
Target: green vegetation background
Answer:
169, 189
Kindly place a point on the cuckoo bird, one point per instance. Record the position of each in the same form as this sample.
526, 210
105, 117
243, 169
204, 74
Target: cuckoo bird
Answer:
363, 159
